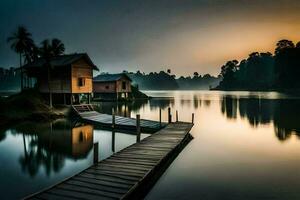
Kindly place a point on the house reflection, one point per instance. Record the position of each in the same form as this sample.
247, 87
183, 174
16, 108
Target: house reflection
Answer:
48, 145
283, 113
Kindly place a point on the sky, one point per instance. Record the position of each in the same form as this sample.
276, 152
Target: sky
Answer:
185, 36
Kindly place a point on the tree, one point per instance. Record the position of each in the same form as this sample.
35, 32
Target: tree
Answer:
58, 48
298, 45
21, 41
47, 51
283, 44
32, 53
196, 74
169, 71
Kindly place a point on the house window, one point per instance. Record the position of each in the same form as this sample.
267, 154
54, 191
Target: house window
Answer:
107, 87
123, 85
81, 82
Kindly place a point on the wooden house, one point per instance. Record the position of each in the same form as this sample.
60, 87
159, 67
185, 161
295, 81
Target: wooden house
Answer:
67, 78
112, 87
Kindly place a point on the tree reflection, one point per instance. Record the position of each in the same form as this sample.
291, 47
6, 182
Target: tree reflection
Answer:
48, 145
229, 106
283, 113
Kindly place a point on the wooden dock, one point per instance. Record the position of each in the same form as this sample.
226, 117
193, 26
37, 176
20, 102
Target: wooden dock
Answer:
88, 114
127, 174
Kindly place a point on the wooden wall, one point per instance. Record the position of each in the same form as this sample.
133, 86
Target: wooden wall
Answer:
60, 81
81, 69
101, 87
119, 85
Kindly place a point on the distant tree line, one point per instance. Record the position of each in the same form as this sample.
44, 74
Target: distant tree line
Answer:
264, 71
168, 81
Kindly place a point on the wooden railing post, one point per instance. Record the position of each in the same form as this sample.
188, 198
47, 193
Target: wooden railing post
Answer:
160, 117
193, 115
138, 128
113, 123
176, 115
96, 153
169, 115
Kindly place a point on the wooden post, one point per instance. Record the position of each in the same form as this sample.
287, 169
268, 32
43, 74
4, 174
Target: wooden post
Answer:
65, 100
89, 98
169, 115
113, 123
71, 99
193, 115
50, 99
159, 117
96, 153
138, 128
113, 142
176, 115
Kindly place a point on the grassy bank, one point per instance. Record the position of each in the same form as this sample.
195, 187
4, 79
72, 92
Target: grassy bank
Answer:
27, 105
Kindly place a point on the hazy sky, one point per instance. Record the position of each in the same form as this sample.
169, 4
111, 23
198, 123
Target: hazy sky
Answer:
154, 35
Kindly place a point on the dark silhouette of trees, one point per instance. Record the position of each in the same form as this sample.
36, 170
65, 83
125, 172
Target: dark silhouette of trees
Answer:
287, 66
283, 44
263, 71
58, 48
48, 51
21, 42
166, 81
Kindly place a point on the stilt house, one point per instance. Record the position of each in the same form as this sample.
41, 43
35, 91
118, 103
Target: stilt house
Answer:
68, 78
112, 86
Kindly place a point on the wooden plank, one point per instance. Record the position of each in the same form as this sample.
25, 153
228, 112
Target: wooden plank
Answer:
86, 190
103, 178
102, 182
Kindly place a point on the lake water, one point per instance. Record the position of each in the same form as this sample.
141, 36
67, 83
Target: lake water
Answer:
246, 146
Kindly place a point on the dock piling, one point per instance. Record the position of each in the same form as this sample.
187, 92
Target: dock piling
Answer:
160, 117
193, 116
113, 118
138, 128
96, 152
176, 115
169, 115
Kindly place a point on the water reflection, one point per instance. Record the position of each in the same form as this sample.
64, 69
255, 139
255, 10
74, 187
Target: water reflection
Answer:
121, 108
49, 144
283, 113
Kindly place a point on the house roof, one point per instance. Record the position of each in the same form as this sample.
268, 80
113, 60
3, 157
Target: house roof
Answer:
63, 60
110, 77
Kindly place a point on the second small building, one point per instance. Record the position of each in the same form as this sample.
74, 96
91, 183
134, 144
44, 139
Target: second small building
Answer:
112, 87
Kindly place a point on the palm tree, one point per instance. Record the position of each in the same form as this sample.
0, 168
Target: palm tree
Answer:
58, 47
47, 51
32, 53
20, 41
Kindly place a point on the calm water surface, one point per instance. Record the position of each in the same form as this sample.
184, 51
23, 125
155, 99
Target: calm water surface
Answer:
245, 146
